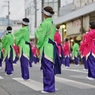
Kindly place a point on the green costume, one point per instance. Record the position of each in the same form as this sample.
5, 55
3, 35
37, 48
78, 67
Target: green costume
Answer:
42, 34
21, 37
7, 41
75, 49
0, 48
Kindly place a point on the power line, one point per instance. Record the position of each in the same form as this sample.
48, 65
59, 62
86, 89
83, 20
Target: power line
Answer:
20, 16
16, 11
22, 13
18, 7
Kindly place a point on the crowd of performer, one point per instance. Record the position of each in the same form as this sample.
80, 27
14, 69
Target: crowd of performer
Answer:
48, 48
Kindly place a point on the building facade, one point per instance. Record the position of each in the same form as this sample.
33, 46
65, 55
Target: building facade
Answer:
77, 20
15, 24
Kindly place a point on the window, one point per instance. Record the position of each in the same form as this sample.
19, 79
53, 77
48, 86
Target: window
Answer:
55, 6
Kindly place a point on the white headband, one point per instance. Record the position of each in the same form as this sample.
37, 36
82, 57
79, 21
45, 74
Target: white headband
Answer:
25, 23
46, 13
9, 30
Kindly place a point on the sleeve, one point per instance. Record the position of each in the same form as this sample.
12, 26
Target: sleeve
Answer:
0, 45
4, 41
74, 49
18, 36
40, 35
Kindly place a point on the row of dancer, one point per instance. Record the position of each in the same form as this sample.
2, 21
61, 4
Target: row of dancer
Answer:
50, 60
11, 47
51, 52
87, 50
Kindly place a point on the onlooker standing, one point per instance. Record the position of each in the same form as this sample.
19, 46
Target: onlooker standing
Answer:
66, 49
76, 52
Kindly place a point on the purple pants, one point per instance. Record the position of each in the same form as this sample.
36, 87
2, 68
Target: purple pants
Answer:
76, 60
9, 63
48, 75
91, 66
36, 59
16, 59
1, 59
85, 63
0, 62
8, 66
24, 67
67, 61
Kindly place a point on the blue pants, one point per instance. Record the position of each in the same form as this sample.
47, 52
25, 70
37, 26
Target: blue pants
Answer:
48, 75
24, 67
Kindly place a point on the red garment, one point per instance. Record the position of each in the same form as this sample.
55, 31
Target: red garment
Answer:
34, 50
66, 49
89, 43
38, 52
57, 39
86, 44
17, 50
81, 48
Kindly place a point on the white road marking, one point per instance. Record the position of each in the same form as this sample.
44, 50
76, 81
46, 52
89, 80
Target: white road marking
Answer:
1, 77
78, 76
37, 86
74, 83
73, 70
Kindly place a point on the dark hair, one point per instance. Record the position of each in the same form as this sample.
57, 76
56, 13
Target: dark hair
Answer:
66, 39
57, 26
49, 9
92, 25
25, 20
9, 28
76, 41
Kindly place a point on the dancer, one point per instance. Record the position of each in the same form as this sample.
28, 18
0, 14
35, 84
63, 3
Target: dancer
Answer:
57, 40
7, 45
66, 49
45, 32
90, 53
22, 40
82, 49
76, 52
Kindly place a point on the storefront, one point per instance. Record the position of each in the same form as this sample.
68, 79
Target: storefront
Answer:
77, 22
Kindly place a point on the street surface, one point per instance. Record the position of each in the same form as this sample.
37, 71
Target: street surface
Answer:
72, 81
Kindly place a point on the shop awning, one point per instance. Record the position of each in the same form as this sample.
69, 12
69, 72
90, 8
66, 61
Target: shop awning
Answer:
79, 37
74, 35
74, 14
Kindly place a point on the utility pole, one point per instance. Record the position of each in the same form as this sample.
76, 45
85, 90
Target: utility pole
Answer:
8, 16
8, 13
42, 7
35, 6
59, 2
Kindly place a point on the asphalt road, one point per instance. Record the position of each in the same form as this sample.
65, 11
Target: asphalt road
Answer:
72, 81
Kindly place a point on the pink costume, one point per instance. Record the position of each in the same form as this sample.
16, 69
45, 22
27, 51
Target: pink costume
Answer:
89, 43
86, 47
66, 49
34, 50
57, 39
16, 48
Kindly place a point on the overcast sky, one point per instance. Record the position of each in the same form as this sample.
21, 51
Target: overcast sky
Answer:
17, 8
